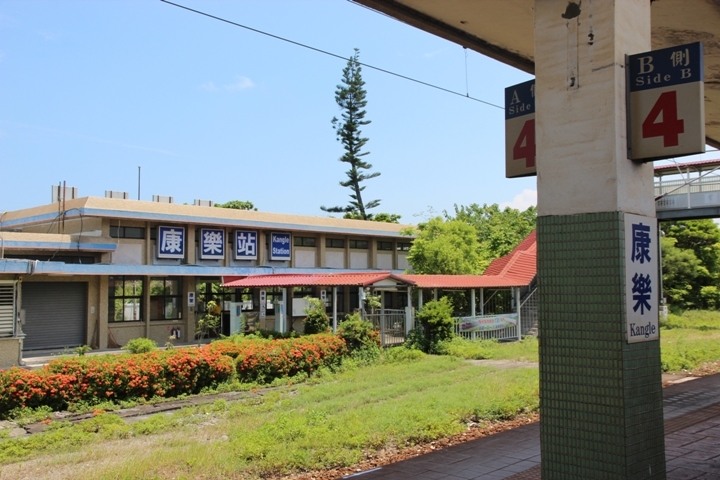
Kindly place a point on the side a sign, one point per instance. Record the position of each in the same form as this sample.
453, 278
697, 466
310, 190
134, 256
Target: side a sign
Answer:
666, 110
520, 130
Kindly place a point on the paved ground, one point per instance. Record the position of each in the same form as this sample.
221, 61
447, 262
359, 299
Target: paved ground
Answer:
692, 445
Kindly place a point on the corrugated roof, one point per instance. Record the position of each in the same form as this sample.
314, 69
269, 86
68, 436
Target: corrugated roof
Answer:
311, 279
680, 168
516, 269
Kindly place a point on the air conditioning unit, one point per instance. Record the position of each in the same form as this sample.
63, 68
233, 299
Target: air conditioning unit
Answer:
162, 199
114, 194
61, 193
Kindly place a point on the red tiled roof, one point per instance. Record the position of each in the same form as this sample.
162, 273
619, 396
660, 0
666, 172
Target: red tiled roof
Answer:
677, 168
516, 269
310, 279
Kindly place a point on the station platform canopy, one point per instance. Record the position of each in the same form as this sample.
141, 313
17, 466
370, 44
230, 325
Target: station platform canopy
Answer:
504, 30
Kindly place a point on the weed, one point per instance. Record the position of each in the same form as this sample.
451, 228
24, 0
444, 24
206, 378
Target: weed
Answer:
140, 345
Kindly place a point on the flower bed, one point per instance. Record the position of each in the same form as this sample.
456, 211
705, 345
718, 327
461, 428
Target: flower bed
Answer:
170, 373
113, 377
263, 360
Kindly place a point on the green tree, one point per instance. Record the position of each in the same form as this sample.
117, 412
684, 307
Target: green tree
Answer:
435, 324
690, 263
377, 217
498, 230
237, 205
681, 269
316, 320
351, 98
445, 247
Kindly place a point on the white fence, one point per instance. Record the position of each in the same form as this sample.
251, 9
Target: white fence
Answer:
501, 326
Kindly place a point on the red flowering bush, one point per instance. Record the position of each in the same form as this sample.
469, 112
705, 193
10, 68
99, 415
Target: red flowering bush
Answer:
94, 379
113, 377
264, 361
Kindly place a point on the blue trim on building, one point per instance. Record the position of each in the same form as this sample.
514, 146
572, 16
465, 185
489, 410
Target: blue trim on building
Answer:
30, 267
72, 246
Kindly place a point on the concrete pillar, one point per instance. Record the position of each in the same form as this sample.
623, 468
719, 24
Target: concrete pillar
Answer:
600, 396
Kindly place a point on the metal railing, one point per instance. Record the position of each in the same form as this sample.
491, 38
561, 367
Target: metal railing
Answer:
390, 323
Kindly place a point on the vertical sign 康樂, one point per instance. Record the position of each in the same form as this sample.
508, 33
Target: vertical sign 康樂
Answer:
212, 243
642, 283
666, 109
520, 130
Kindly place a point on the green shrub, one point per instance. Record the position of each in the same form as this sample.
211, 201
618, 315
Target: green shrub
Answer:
209, 323
435, 324
402, 354
317, 320
358, 333
140, 345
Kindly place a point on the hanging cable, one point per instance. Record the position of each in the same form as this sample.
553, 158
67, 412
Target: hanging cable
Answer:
467, 87
325, 52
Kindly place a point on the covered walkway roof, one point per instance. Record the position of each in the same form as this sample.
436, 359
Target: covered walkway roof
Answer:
516, 269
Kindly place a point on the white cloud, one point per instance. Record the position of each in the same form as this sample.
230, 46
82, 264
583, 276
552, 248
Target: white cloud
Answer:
209, 87
240, 83
522, 200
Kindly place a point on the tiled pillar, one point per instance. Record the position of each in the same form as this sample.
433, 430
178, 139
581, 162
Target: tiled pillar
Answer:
600, 396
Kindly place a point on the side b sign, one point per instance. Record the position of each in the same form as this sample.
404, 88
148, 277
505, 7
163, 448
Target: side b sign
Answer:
666, 114
520, 130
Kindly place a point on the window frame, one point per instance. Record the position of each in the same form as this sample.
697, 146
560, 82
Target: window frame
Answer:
113, 298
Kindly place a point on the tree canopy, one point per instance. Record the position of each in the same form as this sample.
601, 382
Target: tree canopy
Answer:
237, 205
350, 96
499, 230
445, 247
690, 263
467, 242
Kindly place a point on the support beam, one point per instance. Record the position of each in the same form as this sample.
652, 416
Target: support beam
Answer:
600, 396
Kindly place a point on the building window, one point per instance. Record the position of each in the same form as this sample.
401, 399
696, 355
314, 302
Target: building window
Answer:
127, 232
165, 299
403, 246
304, 241
125, 295
359, 244
334, 243
386, 246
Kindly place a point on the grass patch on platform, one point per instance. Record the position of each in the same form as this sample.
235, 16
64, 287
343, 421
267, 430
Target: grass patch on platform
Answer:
334, 422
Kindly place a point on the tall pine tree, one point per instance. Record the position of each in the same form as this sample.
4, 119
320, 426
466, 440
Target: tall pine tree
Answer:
350, 97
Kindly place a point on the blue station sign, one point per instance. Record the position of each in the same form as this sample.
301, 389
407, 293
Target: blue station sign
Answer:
520, 130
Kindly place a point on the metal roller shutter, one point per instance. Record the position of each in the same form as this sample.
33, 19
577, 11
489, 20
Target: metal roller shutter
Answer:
55, 315
7, 309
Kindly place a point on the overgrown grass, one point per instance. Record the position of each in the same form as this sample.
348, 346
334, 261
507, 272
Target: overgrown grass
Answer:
334, 419
690, 340
525, 350
329, 424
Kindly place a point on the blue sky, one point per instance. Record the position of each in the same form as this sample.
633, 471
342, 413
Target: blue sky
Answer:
101, 94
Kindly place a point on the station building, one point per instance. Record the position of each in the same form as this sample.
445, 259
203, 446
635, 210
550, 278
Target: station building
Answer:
100, 271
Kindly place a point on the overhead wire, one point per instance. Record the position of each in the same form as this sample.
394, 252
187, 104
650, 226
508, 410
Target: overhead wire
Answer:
331, 54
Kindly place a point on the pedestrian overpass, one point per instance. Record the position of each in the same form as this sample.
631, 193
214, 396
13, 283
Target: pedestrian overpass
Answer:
688, 191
